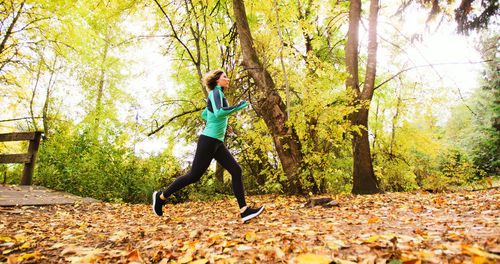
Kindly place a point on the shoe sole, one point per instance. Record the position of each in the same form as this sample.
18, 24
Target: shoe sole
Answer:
154, 203
250, 216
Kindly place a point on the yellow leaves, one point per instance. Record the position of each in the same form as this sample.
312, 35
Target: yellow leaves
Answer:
250, 236
479, 256
372, 239
194, 233
412, 261
481, 260
270, 240
453, 236
19, 242
118, 235
185, 259
4, 239
279, 253
25, 245
199, 261
216, 237
29, 256
309, 258
334, 244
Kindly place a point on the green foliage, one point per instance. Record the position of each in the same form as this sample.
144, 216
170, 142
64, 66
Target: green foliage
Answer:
474, 128
486, 143
410, 151
101, 168
11, 173
396, 175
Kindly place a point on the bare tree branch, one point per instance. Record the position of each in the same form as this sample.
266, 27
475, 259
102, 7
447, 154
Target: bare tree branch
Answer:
173, 118
176, 36
427, 65
20, 118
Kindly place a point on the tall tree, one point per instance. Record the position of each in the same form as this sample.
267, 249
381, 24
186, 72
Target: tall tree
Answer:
269, 104
97, 63
364, 180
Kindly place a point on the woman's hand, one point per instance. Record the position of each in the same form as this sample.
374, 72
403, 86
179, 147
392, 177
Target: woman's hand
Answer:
229, 130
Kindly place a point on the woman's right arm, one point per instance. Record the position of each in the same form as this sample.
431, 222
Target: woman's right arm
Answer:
217, 103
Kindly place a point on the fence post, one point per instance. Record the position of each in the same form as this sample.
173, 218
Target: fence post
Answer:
29, 167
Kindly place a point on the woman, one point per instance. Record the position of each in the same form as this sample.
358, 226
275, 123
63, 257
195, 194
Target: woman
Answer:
211, 146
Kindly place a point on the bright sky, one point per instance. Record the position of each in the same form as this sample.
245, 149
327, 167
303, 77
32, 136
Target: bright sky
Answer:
455, 73
440, 44
155, 71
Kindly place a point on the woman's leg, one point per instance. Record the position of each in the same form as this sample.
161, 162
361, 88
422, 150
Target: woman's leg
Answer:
226, 160
205, 151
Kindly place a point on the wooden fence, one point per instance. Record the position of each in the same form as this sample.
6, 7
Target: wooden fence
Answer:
29, 158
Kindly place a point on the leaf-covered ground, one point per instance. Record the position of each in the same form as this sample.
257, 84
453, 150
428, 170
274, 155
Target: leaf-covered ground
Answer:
419, 227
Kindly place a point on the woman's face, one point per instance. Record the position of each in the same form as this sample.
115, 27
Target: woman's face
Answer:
223, 81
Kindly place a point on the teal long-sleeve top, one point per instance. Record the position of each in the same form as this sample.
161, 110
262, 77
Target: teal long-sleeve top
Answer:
216, 113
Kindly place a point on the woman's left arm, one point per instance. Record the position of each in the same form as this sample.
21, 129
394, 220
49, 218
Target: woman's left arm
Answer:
204, 115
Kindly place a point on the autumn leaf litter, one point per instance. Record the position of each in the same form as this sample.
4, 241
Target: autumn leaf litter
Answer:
418, 227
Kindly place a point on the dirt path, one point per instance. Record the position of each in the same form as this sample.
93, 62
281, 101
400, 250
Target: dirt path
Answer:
461, 227
20, 195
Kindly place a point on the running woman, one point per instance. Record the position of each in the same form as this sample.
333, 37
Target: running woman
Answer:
211, 146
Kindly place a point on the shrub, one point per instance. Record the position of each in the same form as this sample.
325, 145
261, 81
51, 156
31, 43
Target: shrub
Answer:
84, 165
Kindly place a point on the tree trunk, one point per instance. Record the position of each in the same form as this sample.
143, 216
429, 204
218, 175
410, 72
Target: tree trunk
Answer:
45, 109
351, 50
364, 180
269, 105
100, 88
33, 94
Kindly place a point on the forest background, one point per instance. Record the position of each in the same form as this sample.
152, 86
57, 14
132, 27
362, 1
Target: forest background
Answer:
102, 79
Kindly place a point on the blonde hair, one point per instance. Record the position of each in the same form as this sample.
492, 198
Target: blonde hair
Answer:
210, 79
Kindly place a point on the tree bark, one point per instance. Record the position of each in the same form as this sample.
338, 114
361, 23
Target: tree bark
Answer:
364, 180
269, 104
351, 49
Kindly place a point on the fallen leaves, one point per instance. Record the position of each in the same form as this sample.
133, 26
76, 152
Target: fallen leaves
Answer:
480, 256
407, 228
250, 236
310, 258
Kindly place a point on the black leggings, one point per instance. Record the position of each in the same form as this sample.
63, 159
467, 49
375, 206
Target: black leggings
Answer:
210, 148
